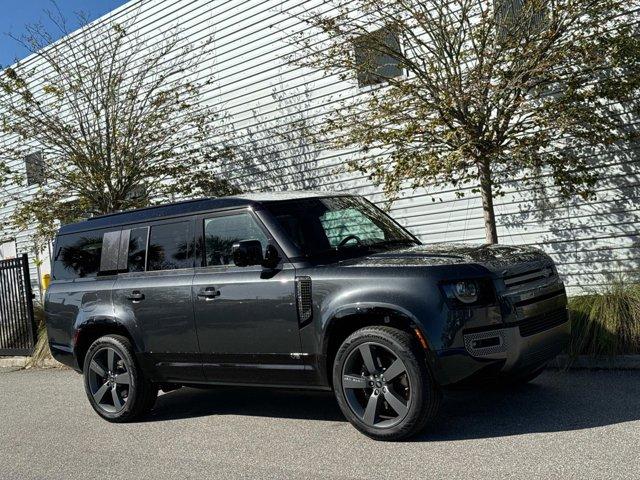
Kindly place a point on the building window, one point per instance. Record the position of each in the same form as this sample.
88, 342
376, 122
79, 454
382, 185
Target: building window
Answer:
34, 166
377, 57
8, 250
512, 14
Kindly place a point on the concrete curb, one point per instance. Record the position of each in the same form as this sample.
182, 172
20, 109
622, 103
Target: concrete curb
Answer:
618, 362
22, 362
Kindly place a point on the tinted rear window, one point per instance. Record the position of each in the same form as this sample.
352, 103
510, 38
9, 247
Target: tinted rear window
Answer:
137, 250
78, 255
171, 246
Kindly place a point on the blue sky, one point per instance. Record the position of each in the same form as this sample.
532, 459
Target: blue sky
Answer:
15, 14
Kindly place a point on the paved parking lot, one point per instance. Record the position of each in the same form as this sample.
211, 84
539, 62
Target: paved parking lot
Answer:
564, 425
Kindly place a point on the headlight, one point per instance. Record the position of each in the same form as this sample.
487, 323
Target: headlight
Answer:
468, 292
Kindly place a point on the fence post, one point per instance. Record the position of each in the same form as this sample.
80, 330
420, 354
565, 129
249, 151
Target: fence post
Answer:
33, 331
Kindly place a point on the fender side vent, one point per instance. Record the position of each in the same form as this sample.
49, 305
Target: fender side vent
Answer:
303, 299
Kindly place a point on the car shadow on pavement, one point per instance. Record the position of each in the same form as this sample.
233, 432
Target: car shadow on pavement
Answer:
557, 401
252, 401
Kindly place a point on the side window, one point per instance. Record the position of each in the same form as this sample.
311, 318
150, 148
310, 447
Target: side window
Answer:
220, 233
78, 255
137, 249
170, 246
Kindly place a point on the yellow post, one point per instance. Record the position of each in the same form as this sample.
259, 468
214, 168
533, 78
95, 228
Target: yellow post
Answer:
46, 280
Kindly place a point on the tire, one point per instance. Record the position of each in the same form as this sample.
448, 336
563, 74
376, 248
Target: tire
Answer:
114, 383
385, 408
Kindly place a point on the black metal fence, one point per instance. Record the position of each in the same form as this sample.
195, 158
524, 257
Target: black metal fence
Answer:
17, 327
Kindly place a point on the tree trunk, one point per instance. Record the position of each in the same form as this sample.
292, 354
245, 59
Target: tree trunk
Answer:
484, 174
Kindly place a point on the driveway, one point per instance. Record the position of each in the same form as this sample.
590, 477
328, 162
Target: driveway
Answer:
564, 425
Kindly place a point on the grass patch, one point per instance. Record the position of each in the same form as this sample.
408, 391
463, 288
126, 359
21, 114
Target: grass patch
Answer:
606, 323
41, 356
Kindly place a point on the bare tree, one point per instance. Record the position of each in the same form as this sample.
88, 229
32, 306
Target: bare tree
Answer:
118, 118
475, 93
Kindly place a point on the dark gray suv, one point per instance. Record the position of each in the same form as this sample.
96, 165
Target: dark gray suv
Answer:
302, 290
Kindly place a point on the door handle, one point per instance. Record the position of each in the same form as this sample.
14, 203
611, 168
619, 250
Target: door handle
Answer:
209, 293
136, 296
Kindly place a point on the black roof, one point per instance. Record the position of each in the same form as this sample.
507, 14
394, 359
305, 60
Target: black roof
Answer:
188, 207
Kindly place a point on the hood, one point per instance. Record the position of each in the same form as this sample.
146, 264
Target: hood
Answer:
500, 259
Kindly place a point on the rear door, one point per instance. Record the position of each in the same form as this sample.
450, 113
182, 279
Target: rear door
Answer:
246, 316
155, 292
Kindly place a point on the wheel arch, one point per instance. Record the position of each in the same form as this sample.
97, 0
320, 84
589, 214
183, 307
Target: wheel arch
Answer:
94, 328
351, 318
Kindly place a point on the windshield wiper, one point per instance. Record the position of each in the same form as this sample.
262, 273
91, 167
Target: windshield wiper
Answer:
395, 241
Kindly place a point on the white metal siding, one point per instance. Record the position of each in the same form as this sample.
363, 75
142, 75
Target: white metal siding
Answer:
266, 103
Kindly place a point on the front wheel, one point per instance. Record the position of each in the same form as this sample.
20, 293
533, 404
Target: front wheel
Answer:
383, 385
114, 383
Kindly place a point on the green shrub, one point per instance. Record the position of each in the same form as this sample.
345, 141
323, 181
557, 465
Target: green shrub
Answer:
606, 323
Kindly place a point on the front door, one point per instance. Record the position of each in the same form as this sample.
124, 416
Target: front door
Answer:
156, 294
246, 316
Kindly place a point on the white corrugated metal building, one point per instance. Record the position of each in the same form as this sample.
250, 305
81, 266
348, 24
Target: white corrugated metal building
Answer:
266, 102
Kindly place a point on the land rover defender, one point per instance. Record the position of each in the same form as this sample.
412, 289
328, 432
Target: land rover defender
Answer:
295, 290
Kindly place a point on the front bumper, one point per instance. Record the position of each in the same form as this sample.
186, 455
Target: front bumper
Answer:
529, 327
513, 354
517, 347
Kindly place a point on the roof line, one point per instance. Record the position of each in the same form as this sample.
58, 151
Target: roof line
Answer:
150, 207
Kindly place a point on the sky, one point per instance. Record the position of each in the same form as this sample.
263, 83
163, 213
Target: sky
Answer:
15, 14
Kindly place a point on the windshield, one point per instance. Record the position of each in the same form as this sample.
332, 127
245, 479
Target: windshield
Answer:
337, 224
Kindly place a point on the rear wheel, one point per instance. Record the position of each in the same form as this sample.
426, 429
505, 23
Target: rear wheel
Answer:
382, 384
115, 385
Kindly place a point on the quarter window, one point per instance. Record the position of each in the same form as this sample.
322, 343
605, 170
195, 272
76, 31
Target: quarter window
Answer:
78, 255
220, 233
170, 246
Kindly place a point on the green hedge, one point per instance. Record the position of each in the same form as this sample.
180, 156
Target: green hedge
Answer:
606, 323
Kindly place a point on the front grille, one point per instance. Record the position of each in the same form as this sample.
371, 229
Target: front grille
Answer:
529, 277
540, 323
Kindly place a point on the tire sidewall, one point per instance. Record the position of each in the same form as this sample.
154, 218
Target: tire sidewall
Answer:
416, 370
135, 375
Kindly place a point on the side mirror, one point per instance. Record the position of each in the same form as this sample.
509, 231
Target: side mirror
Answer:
247, 252
271, 257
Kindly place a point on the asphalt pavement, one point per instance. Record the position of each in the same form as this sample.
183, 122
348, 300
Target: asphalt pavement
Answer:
565, 425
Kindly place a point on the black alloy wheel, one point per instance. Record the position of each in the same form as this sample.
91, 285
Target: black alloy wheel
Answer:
115, 385
109, 379
376, 385
383, 385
